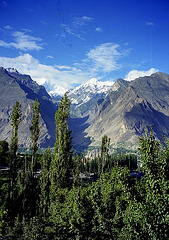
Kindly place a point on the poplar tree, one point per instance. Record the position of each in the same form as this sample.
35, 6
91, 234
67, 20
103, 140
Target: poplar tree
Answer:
12, 194
62, 163
45, 180
35, 130
104, 151
16, 119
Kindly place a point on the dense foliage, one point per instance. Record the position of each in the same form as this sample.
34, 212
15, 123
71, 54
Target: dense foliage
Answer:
58, 203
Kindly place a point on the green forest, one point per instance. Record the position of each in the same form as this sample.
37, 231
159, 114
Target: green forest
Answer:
61, 195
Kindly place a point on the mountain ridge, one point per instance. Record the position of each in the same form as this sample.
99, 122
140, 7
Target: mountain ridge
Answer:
127, 113
122, 111
13, 89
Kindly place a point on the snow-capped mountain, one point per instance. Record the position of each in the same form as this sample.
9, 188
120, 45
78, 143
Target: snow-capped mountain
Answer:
57, 91
85, 92
92, 90
54, 90
86, 97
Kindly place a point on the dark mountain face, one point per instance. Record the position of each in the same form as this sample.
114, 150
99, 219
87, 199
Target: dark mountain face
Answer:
25, 80
127, 112
17, 87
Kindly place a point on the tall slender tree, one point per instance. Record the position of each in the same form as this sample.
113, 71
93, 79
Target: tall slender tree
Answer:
45, 180
16, 119
12, 188
62, 163
104, 151
35, 130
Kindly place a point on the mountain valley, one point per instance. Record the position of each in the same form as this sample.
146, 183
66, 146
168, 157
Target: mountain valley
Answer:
122, 110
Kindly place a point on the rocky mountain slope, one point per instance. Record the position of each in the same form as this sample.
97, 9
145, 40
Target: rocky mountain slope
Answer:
121, 110
130, 109
15, 86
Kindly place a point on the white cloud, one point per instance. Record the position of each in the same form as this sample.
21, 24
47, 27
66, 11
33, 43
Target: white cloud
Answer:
75, 28
26, 30
44, 23
72, 31
63, 76
99, 61
51, 57
81, 21
61, 67
3, 3
8, 27
22, 42
99, 29
136, 74
149, 23
3, 44
105, 57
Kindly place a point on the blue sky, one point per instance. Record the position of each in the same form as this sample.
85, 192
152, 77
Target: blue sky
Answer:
68, 42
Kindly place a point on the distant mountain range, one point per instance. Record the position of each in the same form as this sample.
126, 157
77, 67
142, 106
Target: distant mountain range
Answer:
121, 110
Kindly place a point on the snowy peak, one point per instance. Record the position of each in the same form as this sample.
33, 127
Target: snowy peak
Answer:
88, 90
94, 86
57, 91
54, 91
12, 70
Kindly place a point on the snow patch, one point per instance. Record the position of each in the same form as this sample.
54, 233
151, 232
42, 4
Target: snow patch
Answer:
12, 70
57, 91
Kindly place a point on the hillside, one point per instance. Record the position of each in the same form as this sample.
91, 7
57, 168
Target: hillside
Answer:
128, 111
15, 86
